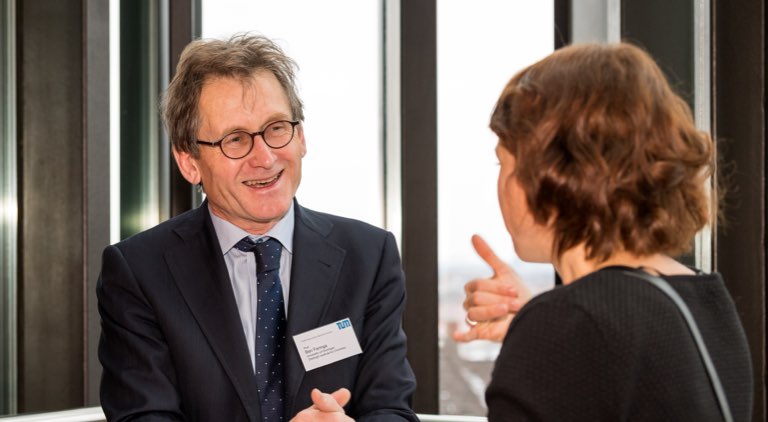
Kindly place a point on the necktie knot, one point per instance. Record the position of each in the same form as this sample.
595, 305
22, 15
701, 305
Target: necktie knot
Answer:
267, 252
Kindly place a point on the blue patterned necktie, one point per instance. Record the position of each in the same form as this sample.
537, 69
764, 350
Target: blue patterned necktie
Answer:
270, 327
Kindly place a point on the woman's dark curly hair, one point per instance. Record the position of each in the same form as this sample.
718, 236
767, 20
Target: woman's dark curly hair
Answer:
606, 152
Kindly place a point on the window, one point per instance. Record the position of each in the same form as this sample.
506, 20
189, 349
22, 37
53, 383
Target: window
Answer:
8, 211
340, 83
480, 46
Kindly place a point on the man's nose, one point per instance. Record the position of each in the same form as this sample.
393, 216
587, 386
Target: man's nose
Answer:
261, 154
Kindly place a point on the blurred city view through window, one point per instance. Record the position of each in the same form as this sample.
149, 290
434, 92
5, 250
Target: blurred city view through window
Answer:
481, 45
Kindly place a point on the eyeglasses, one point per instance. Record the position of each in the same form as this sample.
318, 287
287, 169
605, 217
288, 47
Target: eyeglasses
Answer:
239, 143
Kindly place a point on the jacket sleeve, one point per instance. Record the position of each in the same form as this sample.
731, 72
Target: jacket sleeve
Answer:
385, 380
138, 379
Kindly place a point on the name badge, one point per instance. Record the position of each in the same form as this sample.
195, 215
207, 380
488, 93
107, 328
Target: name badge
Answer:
327, 344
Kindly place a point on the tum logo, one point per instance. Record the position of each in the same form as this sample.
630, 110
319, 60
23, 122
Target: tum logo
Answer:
343, 324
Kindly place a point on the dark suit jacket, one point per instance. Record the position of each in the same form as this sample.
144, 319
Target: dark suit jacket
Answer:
172, 344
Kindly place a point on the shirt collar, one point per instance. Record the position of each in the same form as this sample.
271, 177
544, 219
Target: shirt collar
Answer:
229, 234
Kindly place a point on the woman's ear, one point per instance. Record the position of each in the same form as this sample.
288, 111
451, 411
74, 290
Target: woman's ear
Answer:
188, 166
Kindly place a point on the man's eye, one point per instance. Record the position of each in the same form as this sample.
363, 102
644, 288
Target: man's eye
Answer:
235, 139
278, 127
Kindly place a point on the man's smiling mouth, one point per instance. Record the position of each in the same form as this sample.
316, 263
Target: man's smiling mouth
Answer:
264, 183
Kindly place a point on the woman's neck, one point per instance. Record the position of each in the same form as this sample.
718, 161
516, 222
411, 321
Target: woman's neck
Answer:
573, 264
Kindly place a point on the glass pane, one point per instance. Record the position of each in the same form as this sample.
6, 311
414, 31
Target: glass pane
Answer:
340, 81
140, 164
8, 210
481, 45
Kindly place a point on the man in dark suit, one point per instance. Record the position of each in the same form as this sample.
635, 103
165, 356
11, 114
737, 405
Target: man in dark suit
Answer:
189, 307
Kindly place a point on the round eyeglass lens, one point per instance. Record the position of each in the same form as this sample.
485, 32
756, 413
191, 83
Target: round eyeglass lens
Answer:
237, 144
278, 134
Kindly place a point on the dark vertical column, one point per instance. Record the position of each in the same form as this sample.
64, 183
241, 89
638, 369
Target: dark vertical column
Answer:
563, 37
138, 113
96, 216
739, 70
418, 40
183, 28
52, 243
562, 22
665, 29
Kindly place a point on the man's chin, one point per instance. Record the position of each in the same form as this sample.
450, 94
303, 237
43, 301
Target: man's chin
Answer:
268, 215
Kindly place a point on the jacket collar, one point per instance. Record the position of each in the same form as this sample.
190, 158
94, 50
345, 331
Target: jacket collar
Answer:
198, 268
316, 267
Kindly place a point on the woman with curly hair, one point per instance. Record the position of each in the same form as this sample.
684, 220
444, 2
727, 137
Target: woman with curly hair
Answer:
604, 175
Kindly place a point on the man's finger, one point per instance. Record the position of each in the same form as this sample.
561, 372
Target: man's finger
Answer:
486, 253
324, 402
342, 396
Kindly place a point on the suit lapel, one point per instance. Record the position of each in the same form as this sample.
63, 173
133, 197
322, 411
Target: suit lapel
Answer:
200, 273
314, 272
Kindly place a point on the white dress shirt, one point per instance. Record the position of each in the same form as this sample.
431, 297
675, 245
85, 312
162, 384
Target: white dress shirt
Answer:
242, 268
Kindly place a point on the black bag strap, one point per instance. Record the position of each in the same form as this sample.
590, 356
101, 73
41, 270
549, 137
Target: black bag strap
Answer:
662, 285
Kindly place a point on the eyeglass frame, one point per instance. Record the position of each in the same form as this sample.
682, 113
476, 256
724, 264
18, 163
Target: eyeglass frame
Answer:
253, 136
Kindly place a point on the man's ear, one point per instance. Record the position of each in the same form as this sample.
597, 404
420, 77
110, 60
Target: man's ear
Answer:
188, 166
301, 140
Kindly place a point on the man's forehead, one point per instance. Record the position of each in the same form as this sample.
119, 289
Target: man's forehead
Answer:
248, 86
244, 80
225, 100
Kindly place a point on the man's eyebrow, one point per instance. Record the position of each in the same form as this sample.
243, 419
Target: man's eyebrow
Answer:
272, 118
